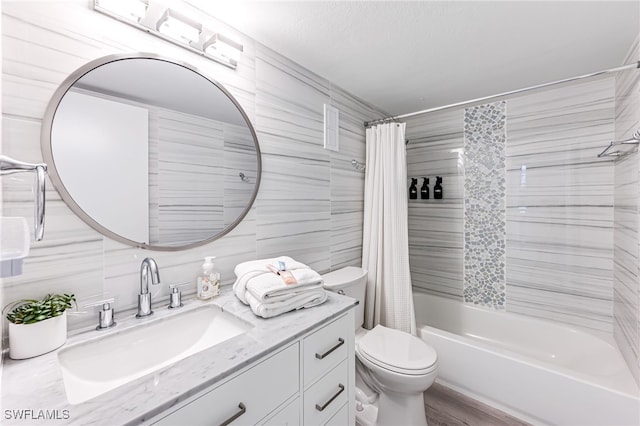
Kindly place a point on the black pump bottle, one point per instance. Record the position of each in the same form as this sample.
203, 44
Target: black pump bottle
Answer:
437, 189
413, 190
424, 191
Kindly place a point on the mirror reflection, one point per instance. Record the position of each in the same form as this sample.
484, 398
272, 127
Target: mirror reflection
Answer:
152, 153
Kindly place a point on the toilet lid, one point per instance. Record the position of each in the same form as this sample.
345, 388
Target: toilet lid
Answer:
397, 351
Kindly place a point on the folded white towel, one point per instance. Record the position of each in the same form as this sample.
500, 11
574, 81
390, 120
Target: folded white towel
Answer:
270, 285
261, 265
255, 277
303, 300
267, 293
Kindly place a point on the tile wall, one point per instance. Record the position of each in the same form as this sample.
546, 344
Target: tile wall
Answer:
184, 177
310, 201
207, 165
559, 205
626, 275
436, 227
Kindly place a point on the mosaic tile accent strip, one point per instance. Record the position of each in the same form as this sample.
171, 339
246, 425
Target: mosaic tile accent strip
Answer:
485, 205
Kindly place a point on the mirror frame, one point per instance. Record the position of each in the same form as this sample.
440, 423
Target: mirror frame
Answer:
47, 150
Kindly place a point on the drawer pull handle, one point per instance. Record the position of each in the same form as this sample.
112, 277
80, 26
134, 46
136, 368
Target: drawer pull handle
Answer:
243, 409
322, 407
340, 343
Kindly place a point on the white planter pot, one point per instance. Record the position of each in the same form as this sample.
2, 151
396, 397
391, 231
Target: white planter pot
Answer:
29, 340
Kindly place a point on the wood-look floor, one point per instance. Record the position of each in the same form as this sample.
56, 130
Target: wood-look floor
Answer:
446, 407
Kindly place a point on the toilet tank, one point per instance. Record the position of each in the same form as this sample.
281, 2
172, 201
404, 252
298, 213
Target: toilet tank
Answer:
350, 281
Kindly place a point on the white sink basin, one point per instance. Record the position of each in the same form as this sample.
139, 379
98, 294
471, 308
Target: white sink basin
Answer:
93, 368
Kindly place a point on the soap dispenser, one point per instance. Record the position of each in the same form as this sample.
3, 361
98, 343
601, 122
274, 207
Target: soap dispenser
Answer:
437, 189
208, 283
413, 189
424, 191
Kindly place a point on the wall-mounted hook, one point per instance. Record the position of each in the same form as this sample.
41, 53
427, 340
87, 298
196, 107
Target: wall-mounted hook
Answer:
358, 165
634, 140
243, 177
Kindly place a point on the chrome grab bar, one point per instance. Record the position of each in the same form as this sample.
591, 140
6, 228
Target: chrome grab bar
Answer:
8, 166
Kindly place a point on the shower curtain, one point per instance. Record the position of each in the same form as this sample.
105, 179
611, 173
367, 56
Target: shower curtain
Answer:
385, 240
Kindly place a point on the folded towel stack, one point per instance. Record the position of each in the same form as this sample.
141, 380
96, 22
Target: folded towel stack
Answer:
270, 292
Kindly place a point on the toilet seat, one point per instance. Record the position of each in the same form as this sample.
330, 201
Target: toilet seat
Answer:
397, 351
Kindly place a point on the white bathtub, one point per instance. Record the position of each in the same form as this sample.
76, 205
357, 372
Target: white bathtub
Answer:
537, 370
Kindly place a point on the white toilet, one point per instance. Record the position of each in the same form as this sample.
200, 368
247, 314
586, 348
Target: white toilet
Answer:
393, 368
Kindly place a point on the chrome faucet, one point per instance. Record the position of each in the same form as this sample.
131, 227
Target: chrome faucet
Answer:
148, 267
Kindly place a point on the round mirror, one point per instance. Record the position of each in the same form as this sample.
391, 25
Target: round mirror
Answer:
150, 152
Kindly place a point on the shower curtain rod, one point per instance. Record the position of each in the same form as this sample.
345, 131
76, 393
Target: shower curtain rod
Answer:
635, 65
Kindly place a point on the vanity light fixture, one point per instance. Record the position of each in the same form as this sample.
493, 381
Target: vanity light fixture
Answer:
179, 27
154, 17
222, 45
133, 10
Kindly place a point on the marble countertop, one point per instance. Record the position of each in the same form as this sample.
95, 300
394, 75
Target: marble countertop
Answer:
33, 389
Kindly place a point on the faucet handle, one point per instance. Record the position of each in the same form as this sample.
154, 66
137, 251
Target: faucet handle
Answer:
175, 298
106, 314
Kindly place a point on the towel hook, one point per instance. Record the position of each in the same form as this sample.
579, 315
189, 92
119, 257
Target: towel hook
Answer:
634, 140
358, 165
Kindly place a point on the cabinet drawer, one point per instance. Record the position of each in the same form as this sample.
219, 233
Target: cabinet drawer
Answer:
326, 348
326, 396
288, 416
249, 396
341, 418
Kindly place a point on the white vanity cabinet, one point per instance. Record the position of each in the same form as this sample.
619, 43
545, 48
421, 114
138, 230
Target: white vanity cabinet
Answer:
246, 398
310, 381
328, 371
288, 416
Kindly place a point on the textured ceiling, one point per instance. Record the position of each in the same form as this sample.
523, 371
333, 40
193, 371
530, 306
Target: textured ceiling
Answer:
407, 56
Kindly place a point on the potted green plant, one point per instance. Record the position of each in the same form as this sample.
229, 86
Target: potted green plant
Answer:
38, 326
